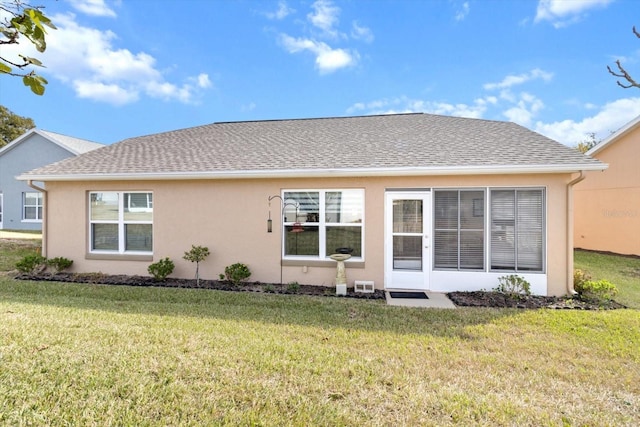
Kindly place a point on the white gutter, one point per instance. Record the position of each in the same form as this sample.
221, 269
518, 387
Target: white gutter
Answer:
44, 216
570, 289
314, 173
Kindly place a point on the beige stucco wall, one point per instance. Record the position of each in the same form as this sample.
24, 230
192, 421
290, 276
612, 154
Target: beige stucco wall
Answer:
229, 216
607, 203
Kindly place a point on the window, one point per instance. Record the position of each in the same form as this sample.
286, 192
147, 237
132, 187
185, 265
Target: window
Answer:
318, 222
459, 229
517, 229
32, 206
121, 222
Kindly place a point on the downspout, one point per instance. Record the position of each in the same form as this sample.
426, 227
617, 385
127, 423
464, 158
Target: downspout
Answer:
44, 215
570, 289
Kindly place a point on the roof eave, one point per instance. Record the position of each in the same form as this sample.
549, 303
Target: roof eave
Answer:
319, 173
628, 127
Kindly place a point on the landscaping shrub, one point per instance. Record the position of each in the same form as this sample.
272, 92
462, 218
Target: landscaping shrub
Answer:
293, 287
161, 269
31, 264
597, 290
513, 285
237, 272
579, 277
59, 264
197, 254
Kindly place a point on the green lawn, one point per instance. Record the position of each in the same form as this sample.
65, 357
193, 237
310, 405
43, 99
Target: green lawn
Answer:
106, 355
624, 272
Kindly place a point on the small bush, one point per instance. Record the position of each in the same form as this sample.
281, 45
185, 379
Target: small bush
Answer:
59, 264
31, 264
579, 277
293, 287
597, 290
161, 269
513, 285
237, 272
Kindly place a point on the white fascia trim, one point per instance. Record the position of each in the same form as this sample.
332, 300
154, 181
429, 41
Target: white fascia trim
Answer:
614, 136
320, 173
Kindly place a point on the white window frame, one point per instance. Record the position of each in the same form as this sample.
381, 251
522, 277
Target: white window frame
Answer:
322, 224
120, 221
39, 206
543, 233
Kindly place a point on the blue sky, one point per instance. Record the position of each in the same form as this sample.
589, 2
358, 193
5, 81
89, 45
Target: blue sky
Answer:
126, 68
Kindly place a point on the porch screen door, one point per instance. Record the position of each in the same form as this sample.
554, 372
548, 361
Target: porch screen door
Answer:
407, 240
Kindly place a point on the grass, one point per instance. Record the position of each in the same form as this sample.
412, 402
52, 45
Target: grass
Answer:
103, 355
12, 251
624, 272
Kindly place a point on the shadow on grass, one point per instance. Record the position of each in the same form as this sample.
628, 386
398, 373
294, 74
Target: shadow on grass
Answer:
322, 312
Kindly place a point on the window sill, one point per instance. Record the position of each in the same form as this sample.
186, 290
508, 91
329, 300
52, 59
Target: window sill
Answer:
119, 257
319, 263
39, 221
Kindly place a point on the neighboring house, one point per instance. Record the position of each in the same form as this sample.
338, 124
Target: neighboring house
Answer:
424, 201
21, 206
607, 204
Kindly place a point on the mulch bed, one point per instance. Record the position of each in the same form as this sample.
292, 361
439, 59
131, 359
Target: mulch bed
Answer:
220, 285
461, 299
497, 299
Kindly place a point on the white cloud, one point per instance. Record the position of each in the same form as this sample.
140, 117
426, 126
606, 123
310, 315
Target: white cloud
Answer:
93, 7
328, 59
109, 93
86, 59
325, 16
564, 12
609, 118
404, 104
512, 80
361, 33
283, 11
462, 13
203, 81
525, 109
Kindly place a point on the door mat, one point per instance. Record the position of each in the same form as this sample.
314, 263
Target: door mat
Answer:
411, 295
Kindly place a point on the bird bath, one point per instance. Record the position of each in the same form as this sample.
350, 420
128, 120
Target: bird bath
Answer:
341, 274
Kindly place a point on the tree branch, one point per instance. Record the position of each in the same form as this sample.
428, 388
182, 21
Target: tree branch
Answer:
623, 74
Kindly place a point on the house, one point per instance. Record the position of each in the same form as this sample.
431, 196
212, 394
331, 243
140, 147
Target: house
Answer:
422, 201
21, 206
607, 204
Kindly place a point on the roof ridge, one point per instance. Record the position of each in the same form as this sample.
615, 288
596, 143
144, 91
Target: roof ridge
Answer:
321, 118
66, 136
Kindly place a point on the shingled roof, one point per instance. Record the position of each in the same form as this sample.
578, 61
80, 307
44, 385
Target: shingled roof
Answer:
73, 145
400, 144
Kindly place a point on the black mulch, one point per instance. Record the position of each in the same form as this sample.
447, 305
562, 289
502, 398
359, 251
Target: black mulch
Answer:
220, 285
461, 299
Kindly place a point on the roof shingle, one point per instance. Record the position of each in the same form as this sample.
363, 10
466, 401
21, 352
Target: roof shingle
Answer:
366, 143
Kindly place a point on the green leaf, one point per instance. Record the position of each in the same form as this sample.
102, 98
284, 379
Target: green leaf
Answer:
31, 60
4, 68
38, 39
35, 83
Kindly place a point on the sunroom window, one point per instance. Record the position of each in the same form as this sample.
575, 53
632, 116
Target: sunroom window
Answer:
517, 229
459, 229
121, 222
318, 222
